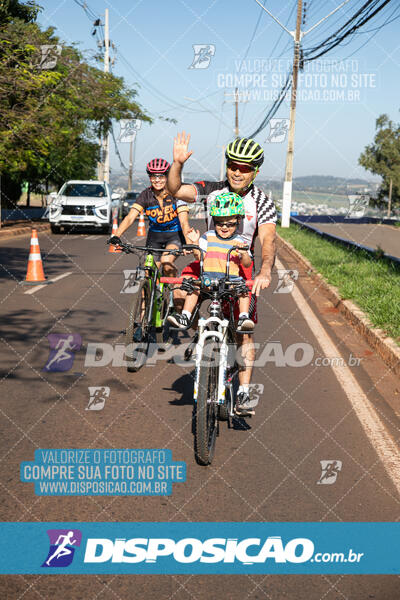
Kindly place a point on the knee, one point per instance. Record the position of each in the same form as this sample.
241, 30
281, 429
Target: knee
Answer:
168, 267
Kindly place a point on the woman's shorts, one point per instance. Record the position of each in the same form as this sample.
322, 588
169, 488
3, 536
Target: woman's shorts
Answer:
161, 239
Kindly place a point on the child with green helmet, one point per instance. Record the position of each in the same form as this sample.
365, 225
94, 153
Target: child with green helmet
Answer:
227, 210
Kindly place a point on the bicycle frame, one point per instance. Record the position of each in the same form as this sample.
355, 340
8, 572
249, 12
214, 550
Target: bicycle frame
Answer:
156, 289
151, 267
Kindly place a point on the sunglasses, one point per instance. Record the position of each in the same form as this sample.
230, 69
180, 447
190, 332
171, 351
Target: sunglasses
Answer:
157, 176
226, 224
242, 168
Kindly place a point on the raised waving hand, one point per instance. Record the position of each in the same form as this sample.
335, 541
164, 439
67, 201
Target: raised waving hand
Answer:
181, 144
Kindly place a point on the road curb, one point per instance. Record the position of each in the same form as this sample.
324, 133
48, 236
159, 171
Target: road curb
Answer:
384, 345
17, 230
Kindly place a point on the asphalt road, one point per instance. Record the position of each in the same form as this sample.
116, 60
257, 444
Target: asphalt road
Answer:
372, 235
266, 471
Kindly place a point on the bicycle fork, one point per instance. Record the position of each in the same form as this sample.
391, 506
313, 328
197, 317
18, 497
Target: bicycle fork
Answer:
222, 358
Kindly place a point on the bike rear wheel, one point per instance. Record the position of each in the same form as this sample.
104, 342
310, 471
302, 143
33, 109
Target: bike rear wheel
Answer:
139, 316
207, 404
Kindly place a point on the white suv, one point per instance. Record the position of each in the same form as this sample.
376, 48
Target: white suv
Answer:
82, 203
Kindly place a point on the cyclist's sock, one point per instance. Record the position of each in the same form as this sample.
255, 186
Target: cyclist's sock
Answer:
187, 314
244, 315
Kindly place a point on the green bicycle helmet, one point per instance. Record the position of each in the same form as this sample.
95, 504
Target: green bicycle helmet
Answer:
245, 150
227, 204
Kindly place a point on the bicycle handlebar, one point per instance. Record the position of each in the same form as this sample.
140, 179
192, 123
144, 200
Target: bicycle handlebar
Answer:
132, 248
248, 282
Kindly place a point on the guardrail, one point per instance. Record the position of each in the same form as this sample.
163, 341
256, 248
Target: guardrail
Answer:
304, 221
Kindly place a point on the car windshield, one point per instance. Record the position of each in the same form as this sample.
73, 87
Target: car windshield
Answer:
131, 196
93, 190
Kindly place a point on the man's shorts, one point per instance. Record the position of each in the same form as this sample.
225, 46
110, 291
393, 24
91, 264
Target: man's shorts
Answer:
161, 239
193, 270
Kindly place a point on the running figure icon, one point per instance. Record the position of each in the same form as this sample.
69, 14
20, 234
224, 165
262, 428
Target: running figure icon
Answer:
62, 549
62, 348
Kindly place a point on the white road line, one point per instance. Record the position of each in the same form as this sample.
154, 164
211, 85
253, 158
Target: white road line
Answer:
39, 287
373, 427
93, 237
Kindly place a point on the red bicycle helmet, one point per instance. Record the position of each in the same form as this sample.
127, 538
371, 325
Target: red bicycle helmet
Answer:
158, 166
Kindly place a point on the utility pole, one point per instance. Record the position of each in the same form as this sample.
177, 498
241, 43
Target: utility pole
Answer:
236, 113
297, 37
222, 166
106, 138
287, 185
130, 166
389, 210
236, 100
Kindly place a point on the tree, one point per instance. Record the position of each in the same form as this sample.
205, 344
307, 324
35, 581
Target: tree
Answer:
50, 120
13, 9
383, 157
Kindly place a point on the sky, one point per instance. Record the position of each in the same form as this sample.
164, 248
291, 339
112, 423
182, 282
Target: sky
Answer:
340, 95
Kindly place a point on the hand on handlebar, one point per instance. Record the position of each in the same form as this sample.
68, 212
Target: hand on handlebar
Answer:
241, 248
114, 240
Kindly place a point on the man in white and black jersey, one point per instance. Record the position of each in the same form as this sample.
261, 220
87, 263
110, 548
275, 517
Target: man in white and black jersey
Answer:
244, 158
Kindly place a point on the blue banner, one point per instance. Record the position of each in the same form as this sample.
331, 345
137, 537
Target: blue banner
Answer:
200, 548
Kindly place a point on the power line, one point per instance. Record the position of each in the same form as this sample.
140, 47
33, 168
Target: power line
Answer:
253, 36
376, 31
286, 24
364, 14
274, 108
272, 55
117, 150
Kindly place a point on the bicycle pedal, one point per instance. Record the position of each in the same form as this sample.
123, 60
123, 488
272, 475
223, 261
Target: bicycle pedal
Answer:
188, 354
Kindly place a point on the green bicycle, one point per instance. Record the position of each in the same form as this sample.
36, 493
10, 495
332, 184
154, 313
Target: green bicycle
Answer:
149, 309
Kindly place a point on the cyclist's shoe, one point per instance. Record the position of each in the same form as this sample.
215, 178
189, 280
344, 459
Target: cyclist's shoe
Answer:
177, 320
138, 334
245, 324
242, 407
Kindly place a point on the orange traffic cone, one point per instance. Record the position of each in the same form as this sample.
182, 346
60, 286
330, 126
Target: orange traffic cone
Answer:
112, 247
35, 273
141, 230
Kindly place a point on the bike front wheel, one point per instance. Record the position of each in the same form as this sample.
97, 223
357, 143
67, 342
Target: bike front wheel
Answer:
207, 403
137, 332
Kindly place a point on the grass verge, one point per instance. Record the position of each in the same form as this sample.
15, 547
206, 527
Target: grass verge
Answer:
373, 284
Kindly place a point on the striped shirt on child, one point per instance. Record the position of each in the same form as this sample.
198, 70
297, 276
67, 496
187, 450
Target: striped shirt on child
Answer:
216, 256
